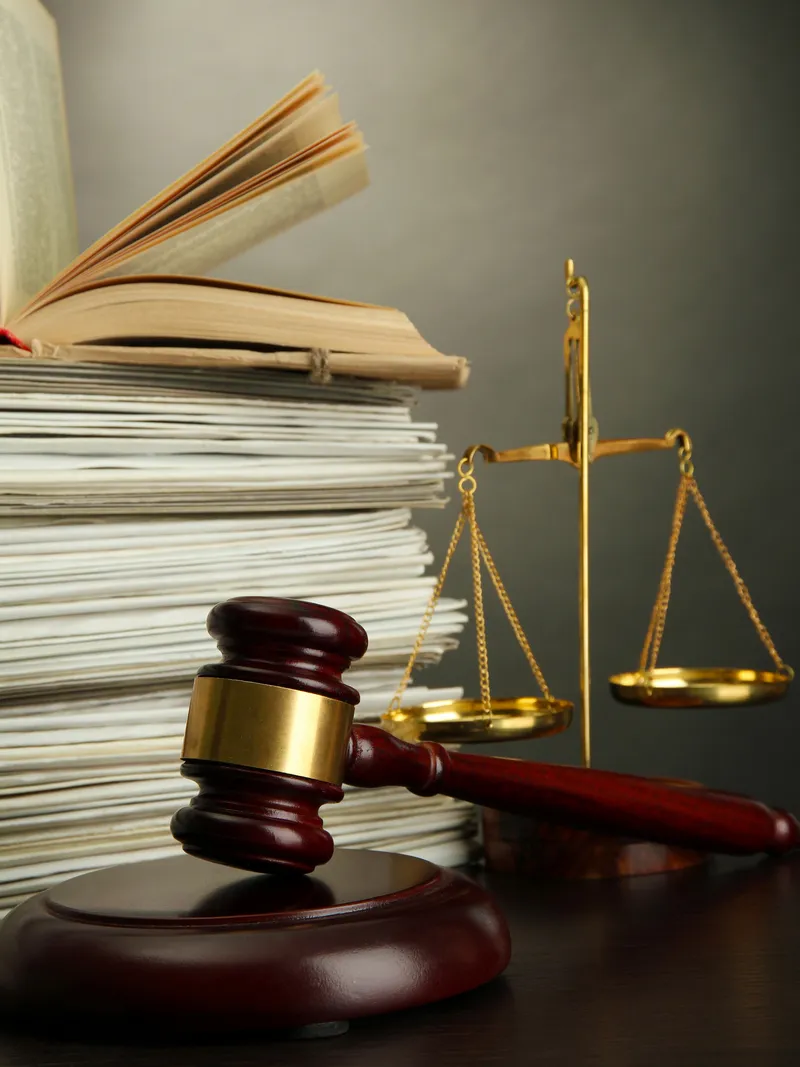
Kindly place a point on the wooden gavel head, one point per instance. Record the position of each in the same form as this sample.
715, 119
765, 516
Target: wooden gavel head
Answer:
267, 734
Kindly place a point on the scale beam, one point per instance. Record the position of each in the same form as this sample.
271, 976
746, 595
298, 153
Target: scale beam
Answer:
618, 446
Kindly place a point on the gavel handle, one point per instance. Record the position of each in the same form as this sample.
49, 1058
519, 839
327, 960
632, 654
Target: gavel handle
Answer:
620, 804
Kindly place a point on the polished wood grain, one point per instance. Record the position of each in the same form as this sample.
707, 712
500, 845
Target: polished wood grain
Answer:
697, 968
643, 808
255, 820
184, 946
292, 643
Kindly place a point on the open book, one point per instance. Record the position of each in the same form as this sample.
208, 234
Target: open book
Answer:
138, 285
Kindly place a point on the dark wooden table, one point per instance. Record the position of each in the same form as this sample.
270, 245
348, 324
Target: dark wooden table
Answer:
688, 969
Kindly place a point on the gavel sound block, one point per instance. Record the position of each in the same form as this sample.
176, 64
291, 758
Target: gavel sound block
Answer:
195, 945
188, 946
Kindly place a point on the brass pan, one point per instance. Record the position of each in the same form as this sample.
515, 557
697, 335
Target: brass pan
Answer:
464, 722
699, 687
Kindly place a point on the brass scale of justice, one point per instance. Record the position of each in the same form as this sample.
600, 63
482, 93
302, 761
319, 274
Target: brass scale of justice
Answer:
490, 719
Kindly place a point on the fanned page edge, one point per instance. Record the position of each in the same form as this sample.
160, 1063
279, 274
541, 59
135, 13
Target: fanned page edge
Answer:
310, 168
311, 86
321, 112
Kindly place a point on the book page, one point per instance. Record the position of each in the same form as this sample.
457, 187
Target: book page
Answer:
38, 232
314, 122
276, 117
284, 212
200, 248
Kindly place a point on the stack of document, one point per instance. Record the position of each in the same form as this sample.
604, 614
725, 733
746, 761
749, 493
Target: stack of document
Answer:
134, 499
100, 440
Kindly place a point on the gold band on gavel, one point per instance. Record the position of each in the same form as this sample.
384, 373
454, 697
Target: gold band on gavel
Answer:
268, 727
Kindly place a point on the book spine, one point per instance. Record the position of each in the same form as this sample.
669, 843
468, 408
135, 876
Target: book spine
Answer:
429, 372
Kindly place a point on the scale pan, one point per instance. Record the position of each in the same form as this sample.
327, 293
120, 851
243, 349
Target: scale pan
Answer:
699, 687
464, 722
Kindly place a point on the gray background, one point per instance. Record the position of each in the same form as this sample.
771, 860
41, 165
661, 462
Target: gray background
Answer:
653, 142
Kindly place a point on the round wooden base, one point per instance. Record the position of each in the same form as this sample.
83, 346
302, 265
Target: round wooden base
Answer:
536, 848
188, 946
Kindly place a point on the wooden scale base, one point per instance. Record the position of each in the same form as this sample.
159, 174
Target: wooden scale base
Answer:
536, 848
182, 944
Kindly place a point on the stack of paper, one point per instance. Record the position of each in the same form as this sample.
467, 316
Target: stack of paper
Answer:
112, 440
105, 583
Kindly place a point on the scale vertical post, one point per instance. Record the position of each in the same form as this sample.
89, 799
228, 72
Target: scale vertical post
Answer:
578, 290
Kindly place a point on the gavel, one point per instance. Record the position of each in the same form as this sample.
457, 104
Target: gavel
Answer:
270, 738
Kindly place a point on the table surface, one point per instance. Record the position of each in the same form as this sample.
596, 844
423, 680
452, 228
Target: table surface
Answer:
693, 968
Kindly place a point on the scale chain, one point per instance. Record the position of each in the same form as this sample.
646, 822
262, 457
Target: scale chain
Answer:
511, 614
741, 588
658, 618
477, 593
479, 550
688, 486
428, 616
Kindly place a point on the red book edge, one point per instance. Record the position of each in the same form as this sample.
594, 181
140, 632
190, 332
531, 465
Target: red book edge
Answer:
7, 337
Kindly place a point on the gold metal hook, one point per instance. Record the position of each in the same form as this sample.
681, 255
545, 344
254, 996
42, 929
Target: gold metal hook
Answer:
466, 469
682, 437
684, 450
486, 451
